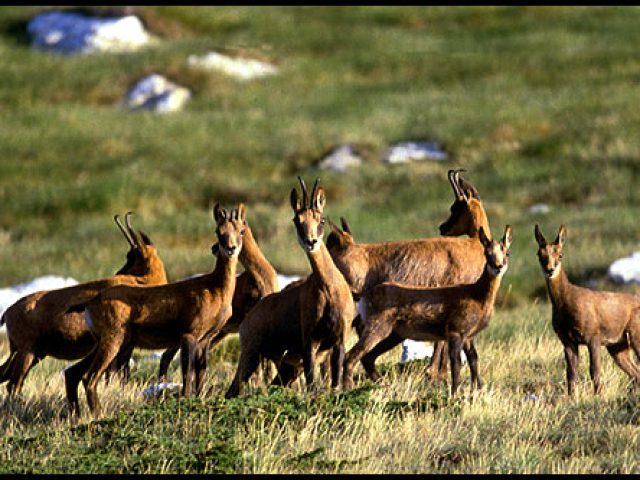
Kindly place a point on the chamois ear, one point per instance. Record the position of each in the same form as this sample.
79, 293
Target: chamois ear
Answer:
483, 237
507, 238
295, 200
145, 238
215, 249
539, 237
242, 212
345, 226
320, 199
219, 214
562, 236
334, 228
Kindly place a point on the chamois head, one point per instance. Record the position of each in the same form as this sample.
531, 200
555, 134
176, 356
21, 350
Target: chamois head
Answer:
142, 256
230, 228
467, 213
308, 218
339, 239
497, 253
550, 254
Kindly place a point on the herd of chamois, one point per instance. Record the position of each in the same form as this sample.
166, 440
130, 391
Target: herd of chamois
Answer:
439, 289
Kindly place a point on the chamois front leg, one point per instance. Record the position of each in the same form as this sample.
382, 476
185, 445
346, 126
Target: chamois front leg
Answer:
201, 356
594, 364
375, 330
187, 360
571, 358
369, 360
472, 359
455, 347
165, 361
72, 377
309, 365
337, 362
105, 353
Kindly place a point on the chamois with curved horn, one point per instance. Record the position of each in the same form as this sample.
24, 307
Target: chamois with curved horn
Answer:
306, 320
184, 314
44, 323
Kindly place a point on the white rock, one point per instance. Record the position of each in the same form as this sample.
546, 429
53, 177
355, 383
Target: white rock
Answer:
408, 151
284, 280
73, 33
10, 295
240, 68
157, 389
156, 93
539, 208
414, 350
341, 159
626, 269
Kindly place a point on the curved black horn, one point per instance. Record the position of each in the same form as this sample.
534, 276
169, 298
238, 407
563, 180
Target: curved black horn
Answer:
305, 197
132, 232
313, 194
116, 217
461, 192
452, 180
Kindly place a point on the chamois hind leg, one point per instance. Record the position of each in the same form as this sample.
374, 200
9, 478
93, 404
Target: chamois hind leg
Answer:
455, 347
374, 331
246, 366
594, 364
622, 356
22, 363
437, 369
472, 358
6, 367
165, 361
369, 360
105, 353
187, 360
72, 377
286, 374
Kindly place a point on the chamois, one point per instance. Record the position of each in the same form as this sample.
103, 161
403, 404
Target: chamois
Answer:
184, 314
455, 313
258, 280
308, 318
581, 316
40, 324
429, 262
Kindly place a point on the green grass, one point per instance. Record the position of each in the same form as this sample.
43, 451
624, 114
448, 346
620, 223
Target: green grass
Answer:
539, 104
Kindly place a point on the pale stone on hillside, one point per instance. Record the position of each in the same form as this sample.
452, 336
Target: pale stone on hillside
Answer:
408, 151
73, 33
626, 269
240, 68
341, 159
157, 93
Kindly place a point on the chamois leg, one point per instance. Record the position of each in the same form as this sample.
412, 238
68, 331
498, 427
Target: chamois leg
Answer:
455, 347
472, 358
373, 332
72, 377
309, 364
120, 365
246, 366
165, 361
622, 356
369, 360
23, 362
571, 357
187, 360
105, 353
286, 374
594, 364
337, 362
437, 369
6, 367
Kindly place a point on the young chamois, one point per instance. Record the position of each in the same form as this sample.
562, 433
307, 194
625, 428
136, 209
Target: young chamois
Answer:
258, 280
429, 262
581, 316
308, 318
184, 314
40, 325
455, 314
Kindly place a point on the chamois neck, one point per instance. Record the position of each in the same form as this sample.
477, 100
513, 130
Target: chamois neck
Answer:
322, 264
488, 284
257, 265
480, 220
225, 270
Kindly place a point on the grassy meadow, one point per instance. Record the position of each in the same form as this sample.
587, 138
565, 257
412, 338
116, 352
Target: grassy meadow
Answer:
538, 104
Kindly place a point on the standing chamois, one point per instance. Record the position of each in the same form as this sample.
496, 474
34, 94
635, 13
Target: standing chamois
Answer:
455, 314
581, 316
183, 314
429, 262
40, 324
309, 318
258, 280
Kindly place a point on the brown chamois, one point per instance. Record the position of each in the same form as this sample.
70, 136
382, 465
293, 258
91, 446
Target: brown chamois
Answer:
41, 325
429, 262
184, 314
258, 280
455, 313
581, 316
307, 319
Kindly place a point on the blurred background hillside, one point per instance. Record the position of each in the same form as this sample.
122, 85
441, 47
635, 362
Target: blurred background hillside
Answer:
538, 104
